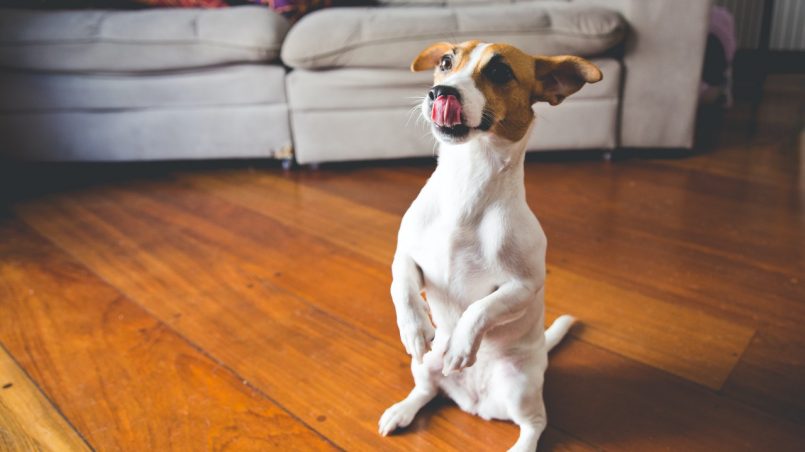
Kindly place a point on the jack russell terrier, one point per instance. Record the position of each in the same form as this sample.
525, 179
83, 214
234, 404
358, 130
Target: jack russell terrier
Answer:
472, 246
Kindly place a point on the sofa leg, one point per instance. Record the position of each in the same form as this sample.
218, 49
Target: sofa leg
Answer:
285, 155
314, 166
287, 163
607, 156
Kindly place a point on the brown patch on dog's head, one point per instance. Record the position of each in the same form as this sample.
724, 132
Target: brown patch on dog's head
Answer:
533, 79
429, 58
505, 76
510, 80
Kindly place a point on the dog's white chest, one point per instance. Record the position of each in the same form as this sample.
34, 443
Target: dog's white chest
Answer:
459, 258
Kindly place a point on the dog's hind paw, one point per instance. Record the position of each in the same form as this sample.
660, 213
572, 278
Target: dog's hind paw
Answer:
397, 416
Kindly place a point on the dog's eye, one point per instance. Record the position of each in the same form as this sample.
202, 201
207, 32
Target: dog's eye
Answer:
498, 73
446, 64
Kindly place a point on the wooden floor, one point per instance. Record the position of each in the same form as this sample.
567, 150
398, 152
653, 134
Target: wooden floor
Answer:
235, 306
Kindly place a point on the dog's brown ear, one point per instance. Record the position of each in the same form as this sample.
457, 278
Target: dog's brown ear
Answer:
429, 58
561, 76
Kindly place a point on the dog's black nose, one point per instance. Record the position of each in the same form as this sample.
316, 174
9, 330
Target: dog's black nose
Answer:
443, 90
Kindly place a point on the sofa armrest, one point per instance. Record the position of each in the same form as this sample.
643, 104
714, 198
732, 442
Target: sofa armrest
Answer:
663, 59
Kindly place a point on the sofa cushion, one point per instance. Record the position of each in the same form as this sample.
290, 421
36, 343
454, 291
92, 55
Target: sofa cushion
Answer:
242, 84
134, 41
235, 131
391, 37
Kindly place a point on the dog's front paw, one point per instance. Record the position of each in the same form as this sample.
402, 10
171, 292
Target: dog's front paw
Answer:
397, 416
416, 336
461, 350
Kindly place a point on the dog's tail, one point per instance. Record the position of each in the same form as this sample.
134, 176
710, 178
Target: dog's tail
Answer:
557, 330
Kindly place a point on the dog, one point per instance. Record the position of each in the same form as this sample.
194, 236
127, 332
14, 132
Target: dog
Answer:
469, 269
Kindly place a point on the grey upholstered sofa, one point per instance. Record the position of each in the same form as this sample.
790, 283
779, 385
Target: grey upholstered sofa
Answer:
175, 84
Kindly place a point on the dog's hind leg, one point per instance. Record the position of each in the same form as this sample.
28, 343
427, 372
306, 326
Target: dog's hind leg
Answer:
427, 375
529, 438
530, 417
527, 408
519, 389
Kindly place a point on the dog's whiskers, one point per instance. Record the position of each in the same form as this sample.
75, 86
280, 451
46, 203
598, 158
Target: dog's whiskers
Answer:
411, 112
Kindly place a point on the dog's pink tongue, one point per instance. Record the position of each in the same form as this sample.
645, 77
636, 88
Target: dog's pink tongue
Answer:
446, 111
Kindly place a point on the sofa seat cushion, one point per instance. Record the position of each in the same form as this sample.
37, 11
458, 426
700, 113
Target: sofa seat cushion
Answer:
391, 37
236, 131
142, 40
353, 88
248, 84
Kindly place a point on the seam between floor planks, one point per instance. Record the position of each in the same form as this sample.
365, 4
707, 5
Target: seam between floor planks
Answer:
32, 420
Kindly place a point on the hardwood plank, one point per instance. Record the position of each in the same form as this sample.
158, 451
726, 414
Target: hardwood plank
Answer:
770, 375
677, 210
683, 341
202, 254
124, 379
366, 231
28, 421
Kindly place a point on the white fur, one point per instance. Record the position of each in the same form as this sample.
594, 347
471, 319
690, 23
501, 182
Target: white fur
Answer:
470, 241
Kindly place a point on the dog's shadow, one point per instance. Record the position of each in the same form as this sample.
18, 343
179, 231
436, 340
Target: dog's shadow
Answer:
596, 398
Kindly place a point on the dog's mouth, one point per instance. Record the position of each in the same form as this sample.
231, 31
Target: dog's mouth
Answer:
448, 118
456, 131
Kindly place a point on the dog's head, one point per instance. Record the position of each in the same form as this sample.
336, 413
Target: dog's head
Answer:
489, 88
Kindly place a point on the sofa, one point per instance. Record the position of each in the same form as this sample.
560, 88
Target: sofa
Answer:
241, 82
